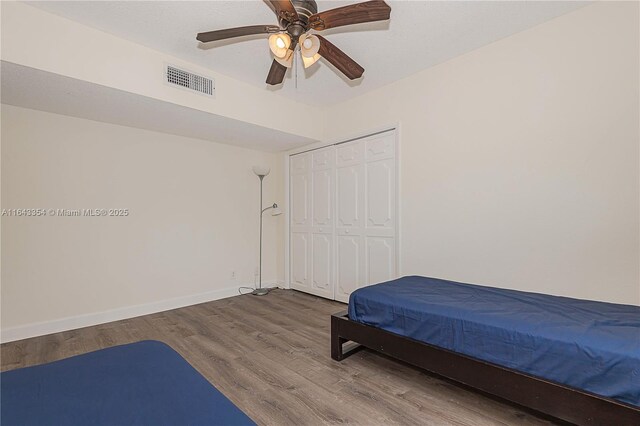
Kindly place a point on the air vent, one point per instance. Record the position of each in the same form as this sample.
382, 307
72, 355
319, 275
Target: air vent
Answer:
188, 80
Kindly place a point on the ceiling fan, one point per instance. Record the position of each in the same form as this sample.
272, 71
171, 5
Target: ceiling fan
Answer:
296, 19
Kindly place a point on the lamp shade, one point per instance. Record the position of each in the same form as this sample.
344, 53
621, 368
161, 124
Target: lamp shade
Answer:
287, 61
309, 47
261, 170
276, 211
279, 44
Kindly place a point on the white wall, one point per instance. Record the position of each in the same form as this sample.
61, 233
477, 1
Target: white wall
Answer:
520, 160
193, 220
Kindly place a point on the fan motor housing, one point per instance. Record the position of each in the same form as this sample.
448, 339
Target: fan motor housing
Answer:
304, 8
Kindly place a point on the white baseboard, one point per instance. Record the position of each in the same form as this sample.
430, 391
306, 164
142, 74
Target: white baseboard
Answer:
71, 323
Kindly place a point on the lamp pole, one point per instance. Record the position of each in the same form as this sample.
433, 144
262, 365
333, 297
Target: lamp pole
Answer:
261, 172
259, 291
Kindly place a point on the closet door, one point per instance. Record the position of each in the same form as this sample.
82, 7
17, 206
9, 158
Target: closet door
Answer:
350, 235
380, 207
343, 217
322, 221
300, 221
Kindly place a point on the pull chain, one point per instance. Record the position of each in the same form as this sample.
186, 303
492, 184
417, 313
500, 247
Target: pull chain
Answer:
295, 64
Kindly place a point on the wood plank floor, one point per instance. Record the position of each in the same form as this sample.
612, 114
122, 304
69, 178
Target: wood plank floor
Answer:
270, 356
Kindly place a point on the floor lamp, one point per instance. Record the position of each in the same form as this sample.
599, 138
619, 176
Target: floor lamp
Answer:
261, 172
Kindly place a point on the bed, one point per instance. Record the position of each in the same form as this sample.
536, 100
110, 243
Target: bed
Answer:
573, 359
143, 383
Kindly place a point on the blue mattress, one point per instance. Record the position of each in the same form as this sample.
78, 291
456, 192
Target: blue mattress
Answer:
593, 346
144, 383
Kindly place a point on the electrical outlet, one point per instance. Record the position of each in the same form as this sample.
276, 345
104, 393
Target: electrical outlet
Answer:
233, 275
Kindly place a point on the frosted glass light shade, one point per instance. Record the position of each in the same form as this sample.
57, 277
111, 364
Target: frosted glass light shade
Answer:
276, 211
309, 47
287, 60
279, 44
261, 170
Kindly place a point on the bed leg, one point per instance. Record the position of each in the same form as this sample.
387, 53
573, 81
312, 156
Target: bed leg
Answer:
336, 340
336, 343
336, 348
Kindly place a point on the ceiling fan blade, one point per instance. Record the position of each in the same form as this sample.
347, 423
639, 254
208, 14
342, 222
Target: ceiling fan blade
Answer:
276, 73
369, 11
339, 59
284, 9
236, 32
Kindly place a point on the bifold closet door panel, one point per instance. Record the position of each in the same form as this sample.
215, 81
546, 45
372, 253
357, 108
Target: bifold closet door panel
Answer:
322, 221
300, 221
350, 241
380, 208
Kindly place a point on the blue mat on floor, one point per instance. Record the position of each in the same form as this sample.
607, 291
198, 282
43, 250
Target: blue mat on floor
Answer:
144, 383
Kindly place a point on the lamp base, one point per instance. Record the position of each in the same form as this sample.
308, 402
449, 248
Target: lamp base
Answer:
260, 292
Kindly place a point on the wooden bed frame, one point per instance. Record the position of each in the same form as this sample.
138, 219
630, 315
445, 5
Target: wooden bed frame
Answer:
560, 401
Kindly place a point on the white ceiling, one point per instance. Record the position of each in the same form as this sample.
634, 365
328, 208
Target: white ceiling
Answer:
419, 35
36, 89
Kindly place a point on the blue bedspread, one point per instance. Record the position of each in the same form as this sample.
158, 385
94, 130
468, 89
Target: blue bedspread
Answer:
144, 383
588, 345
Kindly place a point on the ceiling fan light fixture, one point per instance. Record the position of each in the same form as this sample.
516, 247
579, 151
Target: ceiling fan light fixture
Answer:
295, 19
309, 45
309, 48
279, 44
